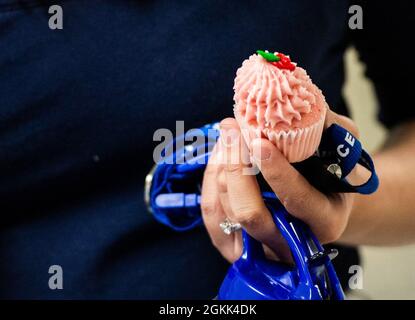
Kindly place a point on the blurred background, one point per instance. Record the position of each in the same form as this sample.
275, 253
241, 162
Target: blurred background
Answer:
387, 272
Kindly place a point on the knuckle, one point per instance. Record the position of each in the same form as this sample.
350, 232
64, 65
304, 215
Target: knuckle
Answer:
249, 217
332, 232
302, 198
289, 204
227, 123
221, 183
349, 124
208, 207
294, 203
233, 168
356, 132
210, 170
352, 127
330, 236
274, 176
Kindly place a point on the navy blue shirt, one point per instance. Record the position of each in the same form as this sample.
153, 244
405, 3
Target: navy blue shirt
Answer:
79, 106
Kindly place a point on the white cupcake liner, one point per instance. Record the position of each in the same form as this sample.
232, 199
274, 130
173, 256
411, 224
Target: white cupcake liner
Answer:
296, 145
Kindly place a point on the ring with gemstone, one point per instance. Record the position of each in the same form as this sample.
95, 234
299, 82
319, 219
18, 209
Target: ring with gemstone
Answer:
228, 226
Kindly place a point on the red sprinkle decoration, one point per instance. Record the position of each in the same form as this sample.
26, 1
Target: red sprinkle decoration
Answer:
284, 63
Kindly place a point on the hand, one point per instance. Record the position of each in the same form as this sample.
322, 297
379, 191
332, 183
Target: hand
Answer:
228, 192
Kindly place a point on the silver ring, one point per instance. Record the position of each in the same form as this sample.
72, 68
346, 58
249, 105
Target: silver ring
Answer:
147, 188
228, 226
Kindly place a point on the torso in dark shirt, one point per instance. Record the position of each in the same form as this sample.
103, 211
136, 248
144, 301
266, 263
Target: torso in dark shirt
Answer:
78, 110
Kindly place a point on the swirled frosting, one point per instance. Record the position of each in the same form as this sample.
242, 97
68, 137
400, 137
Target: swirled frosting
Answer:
268, 97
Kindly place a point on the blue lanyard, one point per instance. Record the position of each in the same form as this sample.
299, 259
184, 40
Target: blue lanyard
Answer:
341, 145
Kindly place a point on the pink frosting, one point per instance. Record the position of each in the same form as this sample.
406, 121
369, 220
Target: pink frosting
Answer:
267, 97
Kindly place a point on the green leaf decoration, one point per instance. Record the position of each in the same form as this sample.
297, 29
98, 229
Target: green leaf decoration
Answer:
270, 57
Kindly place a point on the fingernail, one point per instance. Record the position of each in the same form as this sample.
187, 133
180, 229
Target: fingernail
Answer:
259, 151
229, 136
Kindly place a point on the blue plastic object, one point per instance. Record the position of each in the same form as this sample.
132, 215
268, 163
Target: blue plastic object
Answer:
173, 197
172, 190
312, 277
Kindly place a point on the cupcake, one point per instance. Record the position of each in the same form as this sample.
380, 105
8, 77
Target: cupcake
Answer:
276, 99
